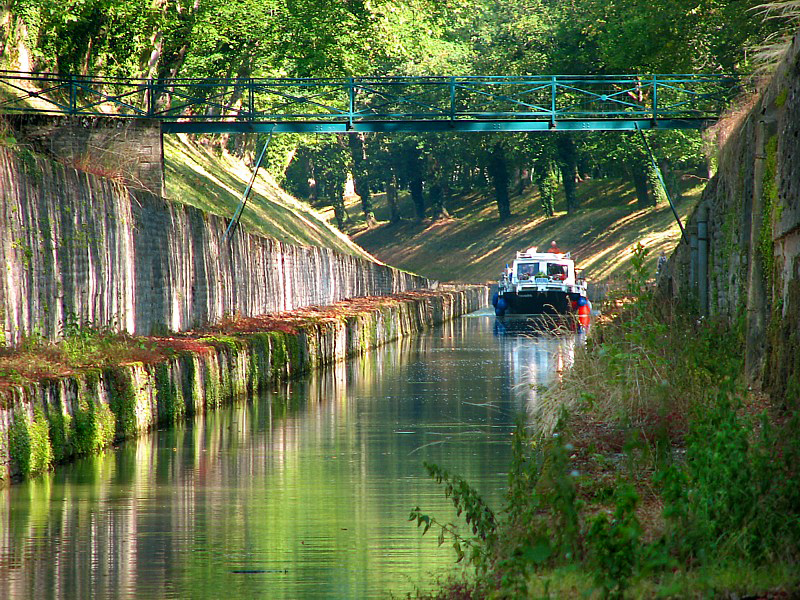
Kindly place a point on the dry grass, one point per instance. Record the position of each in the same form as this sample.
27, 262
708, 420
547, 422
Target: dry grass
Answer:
633, 374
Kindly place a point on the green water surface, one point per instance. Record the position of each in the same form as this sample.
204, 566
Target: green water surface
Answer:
303, 492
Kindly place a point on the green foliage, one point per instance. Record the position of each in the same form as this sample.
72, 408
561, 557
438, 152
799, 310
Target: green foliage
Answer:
616, 543
93, 426
736, 496
60, 428
638, 274
124, 401
29, 443
169, 396
479, 517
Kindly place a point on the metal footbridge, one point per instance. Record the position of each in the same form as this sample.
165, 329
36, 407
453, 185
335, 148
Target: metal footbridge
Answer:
381, 104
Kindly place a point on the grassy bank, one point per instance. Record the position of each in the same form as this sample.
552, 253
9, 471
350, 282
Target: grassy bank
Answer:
473, 245
652, 472
213, 180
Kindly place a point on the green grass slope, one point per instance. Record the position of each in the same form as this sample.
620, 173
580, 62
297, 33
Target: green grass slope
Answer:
215, 181
474, 246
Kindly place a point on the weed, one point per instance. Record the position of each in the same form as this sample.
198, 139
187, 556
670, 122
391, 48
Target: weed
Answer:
616, 544
682, 476
29, 443
477, 514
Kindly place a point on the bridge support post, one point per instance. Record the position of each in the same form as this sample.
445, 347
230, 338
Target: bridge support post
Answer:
128, 150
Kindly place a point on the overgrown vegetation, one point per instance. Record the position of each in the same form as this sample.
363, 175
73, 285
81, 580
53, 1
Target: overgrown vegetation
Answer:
82, 346
651, 471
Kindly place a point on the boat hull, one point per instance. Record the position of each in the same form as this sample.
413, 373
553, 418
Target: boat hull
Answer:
536, 303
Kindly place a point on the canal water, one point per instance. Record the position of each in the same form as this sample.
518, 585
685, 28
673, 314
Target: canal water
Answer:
303, 492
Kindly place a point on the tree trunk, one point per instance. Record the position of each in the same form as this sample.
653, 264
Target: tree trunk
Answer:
568, 165
313, 184
6, 21
391, 198
673, 180
336, 198
361, 176
437, 198
524, 179
639, 177
498, 171
657, 193
417, 197
547, 191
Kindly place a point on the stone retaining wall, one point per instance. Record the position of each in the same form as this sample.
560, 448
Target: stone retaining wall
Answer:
54, 421
753, 209
78, 248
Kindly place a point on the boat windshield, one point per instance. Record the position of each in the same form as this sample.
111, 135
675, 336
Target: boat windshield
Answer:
557, 271
527, 270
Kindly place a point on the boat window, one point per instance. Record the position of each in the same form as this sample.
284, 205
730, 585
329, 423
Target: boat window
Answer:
556, 271
525, 271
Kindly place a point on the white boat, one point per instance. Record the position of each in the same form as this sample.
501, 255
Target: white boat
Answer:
541, 283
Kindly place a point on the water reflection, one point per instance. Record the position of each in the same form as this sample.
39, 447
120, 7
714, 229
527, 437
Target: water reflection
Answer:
536, 355
303, 492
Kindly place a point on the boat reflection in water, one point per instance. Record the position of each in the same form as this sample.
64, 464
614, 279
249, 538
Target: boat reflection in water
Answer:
539, 350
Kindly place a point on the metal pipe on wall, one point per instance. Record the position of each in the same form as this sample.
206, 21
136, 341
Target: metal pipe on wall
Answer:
702, 258
693, 257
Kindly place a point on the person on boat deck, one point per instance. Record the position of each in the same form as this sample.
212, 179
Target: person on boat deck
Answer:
554, 248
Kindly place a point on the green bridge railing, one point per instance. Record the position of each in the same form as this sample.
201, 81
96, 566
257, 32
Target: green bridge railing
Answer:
512, 103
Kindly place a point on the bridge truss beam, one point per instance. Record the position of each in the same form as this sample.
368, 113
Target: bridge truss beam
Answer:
433, 126
381, 104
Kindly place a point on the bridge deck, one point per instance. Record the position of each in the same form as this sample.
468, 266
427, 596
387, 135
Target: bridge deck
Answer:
390, 104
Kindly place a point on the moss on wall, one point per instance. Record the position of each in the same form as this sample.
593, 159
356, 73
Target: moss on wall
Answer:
120, 402
124, 401
770, 196
30, 450
93, 424
782, 371
60, 426
169, 396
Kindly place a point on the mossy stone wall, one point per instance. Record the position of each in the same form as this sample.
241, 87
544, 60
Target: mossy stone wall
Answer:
754, 228
54, 421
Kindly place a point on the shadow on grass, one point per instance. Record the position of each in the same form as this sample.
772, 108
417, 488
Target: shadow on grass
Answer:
474, 245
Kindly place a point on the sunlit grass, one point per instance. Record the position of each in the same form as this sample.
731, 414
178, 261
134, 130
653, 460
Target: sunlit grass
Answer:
473, 246
214, 181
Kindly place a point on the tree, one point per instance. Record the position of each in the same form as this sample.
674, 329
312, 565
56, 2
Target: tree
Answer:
361, 175
497, 167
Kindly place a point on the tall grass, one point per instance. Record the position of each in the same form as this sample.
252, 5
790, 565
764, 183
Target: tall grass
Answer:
768, 55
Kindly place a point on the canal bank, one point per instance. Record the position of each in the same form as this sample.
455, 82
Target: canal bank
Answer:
57, 420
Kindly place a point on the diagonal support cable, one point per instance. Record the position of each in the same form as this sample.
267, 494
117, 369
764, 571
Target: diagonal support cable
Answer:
240, 209
663, 183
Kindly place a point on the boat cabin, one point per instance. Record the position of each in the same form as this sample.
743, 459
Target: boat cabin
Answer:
542, 267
